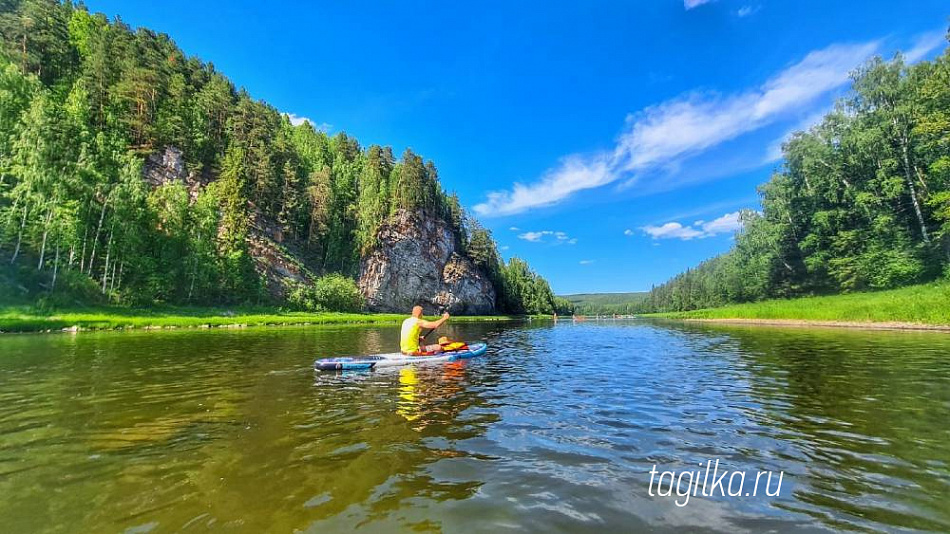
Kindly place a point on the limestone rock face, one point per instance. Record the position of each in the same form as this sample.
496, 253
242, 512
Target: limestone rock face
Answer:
275, 260
416, 261
167, 166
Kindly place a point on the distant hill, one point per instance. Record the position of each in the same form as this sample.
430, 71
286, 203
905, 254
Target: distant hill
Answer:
608, 303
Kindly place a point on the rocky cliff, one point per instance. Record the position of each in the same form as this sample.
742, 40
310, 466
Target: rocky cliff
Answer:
167, 166
416, 261
275, 260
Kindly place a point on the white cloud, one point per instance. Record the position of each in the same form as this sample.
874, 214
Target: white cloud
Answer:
514, 228
297, 120
574, 174
538, 237
690, 4
672, 230
504, 247
661, 136
628, 232
727, 224
774, 151
745, 11
694, 123
715, 207
924, 44
563, 237
586, 262
534, 237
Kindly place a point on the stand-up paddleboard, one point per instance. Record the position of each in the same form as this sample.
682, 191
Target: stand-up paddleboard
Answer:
365, 363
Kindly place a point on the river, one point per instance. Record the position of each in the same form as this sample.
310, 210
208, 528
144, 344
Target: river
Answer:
556, 429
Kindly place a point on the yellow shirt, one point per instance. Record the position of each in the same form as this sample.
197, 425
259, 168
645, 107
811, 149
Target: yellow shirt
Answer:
409, 337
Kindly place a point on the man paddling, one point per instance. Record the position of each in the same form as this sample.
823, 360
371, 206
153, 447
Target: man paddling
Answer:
412, 329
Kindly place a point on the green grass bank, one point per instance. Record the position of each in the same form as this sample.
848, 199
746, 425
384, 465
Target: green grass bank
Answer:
26, 318
927, 304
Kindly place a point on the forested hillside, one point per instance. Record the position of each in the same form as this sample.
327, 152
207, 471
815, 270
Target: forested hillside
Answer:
84, 101
606, 303
862, 201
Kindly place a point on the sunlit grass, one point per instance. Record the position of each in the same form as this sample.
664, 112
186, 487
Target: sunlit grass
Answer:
923, 304
27, 319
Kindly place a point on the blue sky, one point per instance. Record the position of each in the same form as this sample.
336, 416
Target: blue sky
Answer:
610, 144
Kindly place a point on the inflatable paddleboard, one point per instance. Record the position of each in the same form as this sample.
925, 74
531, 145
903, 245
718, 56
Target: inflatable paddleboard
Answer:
365, 363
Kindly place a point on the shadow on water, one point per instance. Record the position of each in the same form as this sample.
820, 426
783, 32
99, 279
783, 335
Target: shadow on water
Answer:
554, 430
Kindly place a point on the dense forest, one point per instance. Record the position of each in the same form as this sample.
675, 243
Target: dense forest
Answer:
862, 201
604, 303
85, 100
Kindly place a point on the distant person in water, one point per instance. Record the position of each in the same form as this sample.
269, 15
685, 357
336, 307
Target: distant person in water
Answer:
412, 330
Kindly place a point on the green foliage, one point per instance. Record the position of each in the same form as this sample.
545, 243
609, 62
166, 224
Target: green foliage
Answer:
523, 291
32, 318
23, 284
920, 304
373, 195
481, 248
83, 102
332, 292
519, 289
37, 36
563, 306
606, 303
862, 201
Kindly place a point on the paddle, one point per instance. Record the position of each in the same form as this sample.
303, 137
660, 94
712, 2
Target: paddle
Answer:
422, 340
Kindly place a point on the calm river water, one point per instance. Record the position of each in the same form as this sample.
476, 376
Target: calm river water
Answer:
556, 429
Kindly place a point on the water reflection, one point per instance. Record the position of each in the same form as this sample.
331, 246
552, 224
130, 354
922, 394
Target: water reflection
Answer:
867, 414
427, 394
554, 430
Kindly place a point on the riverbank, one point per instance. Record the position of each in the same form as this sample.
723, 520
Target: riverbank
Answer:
921, 307
18, 319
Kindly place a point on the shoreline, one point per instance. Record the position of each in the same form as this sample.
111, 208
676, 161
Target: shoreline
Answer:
807, 323
118, 320
922, 307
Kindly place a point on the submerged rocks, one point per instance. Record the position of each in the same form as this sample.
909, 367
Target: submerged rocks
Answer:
416, 260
